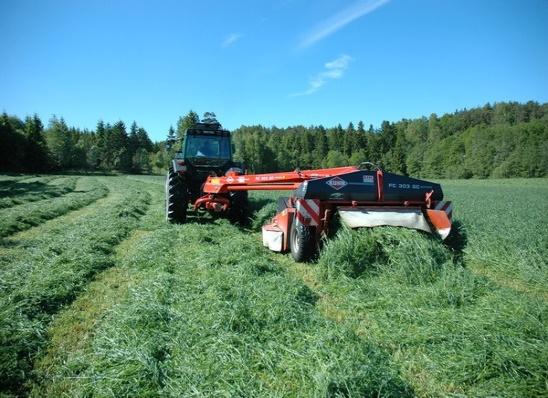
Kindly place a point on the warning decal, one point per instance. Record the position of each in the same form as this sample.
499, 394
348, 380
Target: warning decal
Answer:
369, 179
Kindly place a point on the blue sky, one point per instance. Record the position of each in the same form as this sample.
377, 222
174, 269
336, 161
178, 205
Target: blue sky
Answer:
280, 63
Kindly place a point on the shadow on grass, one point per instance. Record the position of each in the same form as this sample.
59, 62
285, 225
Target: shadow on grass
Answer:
15, 188
246, 224
257, 204
457, 241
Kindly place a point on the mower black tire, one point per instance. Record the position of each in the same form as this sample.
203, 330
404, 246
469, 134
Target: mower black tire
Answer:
176, 198
302, 242
238, 213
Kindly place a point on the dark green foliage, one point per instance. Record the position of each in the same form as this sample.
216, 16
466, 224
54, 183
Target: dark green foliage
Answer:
22, 145
26, 146
507, 140
504, 140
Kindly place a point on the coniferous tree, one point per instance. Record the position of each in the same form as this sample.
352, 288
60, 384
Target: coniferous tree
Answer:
170, 140
37, 157
60, 143
184, 123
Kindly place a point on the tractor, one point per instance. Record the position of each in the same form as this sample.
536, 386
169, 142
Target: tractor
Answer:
206, 152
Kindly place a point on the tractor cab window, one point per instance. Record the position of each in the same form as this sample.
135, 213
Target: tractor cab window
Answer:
207, 146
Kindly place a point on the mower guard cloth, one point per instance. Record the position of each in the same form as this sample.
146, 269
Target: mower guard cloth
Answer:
273, 238
362, 216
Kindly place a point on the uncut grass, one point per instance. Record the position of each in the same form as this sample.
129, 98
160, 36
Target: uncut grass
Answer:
214, 315
506, 227
28, 215
450, 331
12, 194
41, 276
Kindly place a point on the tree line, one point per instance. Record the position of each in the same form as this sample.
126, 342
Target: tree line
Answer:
26, 146
507, 139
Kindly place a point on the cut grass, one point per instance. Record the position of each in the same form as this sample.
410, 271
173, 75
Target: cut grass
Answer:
462, 333
469, 321
204, 309
12, 194
38, 279
29, 215
217, 325
72, 331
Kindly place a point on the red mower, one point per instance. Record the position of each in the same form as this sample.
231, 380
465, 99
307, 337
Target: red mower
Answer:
362, 198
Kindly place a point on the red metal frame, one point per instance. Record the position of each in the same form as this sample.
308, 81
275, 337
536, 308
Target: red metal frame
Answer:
215, 187
217, 190
289, 180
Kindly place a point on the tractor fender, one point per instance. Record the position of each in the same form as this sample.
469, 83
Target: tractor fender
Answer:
177, 166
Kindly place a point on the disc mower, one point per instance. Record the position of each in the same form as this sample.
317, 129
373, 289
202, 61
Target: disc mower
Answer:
361, 196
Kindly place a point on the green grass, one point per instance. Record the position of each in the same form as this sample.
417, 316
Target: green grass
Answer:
15, 193
215, 325
27, 215
108, 300
42, 274
466, 334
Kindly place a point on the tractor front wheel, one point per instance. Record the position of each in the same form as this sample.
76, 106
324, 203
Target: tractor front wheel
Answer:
302, 241
176, 198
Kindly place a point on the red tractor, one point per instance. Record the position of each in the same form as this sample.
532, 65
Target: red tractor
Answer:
206, 151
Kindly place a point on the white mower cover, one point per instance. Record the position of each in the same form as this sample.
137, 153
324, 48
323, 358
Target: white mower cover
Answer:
273, 239
357, 217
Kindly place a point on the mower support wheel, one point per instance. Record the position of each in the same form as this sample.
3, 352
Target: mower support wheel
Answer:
302, 242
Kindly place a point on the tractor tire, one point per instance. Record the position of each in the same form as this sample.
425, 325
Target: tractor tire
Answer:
238, 213
176, 198
302, 242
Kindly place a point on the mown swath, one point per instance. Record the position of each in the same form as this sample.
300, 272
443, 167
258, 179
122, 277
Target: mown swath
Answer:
40, 278
24, 192
28, 215
203, 309
220, 324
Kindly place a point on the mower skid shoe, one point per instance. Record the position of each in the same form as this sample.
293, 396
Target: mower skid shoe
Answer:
440, 221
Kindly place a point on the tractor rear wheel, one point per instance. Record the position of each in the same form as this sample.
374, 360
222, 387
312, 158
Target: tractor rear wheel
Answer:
239, 208
302, 241
176, 198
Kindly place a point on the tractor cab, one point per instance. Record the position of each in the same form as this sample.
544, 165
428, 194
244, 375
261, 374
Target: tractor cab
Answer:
207, 144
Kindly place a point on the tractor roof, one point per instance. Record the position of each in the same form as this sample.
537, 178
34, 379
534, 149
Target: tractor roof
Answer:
207, 129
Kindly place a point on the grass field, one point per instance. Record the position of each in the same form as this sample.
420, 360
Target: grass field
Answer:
100, 297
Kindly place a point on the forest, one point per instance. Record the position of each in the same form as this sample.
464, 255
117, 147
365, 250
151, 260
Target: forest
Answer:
505, 139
